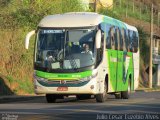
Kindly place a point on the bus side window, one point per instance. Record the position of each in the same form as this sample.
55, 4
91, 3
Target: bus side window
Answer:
112, 37
108, 35
100, 51
102, 45
135, 41
117, 39
123, 34
120, 40
131, 41
126, 39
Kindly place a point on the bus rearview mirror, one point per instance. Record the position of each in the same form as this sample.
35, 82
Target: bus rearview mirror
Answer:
98, 39
28, 36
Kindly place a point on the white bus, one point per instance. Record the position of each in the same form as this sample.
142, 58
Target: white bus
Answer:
85, 54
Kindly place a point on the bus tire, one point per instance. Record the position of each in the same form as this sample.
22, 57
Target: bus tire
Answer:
117, 95
126, 94
103, 96
50, 98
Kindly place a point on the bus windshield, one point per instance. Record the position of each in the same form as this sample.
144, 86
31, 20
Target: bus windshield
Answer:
65, 48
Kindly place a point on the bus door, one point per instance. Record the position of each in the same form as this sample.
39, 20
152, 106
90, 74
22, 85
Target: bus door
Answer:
112, 58
119, 44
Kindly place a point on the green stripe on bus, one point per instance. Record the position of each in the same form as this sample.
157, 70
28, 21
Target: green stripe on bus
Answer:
66, 76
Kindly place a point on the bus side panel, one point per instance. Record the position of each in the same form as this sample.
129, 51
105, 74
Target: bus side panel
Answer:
120, 71
128, 71
136, 69
112, 62
131, 71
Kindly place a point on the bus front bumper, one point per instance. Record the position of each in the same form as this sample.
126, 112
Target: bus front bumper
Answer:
89, 88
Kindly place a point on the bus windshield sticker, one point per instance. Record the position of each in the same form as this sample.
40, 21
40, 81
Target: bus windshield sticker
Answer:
52, 31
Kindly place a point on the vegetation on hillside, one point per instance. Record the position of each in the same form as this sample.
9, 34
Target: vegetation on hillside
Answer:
139, 9
17, 17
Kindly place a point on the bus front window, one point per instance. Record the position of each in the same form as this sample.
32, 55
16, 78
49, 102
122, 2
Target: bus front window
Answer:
65, 49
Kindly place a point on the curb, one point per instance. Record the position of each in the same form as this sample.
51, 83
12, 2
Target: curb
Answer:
7, 99
158, 90
148, 90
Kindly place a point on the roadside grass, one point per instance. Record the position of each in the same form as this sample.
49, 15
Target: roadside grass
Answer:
17, 18
4, 88
21, 86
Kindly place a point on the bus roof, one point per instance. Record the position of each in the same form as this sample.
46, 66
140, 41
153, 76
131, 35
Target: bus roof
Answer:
131, 27
81, 19
76, 19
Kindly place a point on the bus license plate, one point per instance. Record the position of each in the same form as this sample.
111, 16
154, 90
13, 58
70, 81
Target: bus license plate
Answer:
62, 89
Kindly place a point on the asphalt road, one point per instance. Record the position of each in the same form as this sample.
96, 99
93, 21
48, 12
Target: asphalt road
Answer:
141, 105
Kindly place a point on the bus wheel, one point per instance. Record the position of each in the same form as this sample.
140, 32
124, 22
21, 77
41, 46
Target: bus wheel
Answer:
103, 96
125, 94
117, 95
50, 98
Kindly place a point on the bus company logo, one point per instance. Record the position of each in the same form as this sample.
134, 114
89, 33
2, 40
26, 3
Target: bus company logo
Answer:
126, 67
77, 76
63, 82
62, 75
112, 59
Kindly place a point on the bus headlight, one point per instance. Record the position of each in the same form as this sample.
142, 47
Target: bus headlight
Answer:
40, 79
89, 77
